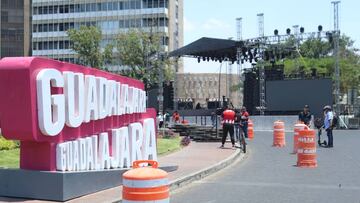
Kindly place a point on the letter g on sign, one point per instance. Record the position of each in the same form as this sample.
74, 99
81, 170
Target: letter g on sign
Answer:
51, 108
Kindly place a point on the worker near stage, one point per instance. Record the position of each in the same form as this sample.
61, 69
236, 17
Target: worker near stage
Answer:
228, 120
329, 124
244, 119
176, 117
305, 116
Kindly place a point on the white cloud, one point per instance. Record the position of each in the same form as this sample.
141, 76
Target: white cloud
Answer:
213, 23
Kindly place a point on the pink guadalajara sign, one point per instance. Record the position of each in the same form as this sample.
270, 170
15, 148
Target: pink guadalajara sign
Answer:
74, 118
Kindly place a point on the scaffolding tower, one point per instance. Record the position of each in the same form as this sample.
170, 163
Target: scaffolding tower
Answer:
238, 50
262, 102
336, 54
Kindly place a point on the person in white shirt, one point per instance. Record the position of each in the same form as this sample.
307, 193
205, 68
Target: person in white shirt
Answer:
160, 118
328, 125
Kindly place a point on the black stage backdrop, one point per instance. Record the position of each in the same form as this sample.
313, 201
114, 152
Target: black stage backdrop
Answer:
292, 95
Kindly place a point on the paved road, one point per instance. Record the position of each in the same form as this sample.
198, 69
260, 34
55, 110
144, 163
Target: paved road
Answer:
269, 175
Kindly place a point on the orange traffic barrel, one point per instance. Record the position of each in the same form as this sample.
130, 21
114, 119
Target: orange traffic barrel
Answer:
250, 129
145, 184
306, 153
279, 134
297, 128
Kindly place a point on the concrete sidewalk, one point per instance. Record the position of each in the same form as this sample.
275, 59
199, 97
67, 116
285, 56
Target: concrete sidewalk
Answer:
195, 161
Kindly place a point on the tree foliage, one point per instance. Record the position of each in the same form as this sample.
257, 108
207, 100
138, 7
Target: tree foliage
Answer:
86, 43
142, 55
318, 54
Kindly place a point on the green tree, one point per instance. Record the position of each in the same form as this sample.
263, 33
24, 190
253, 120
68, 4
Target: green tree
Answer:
86, 43
318, 54
142, 55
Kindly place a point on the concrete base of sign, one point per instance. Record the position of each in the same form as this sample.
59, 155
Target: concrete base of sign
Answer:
58, 186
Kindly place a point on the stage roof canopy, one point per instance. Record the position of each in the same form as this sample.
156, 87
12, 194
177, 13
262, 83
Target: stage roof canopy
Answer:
209, 48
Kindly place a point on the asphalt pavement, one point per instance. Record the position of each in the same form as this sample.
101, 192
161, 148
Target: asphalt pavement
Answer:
269, 175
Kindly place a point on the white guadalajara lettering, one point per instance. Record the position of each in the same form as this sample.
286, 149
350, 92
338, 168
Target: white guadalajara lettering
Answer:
85, 98
128, 144
88, 98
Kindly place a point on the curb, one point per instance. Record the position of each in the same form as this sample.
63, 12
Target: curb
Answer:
180, 182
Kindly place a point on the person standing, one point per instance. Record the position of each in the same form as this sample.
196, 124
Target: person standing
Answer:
166, 119
305, 116
160, 118
244, 119
228, 120
237, 124
328, 125
213, 119
176, 117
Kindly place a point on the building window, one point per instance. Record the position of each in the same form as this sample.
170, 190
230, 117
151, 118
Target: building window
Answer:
71, 8
35, 10
61, 27
115, 6
104, 6
40, 46
61, 44
82, 7
56, 9
177, 12
34, 46
51, 27
45, 10
56, 45
61, 9
66, 45
40, 28
88, 7
51, 9
45, 28
45, 45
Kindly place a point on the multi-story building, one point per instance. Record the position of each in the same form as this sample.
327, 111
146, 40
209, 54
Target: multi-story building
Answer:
203, 87
15, 28
52, 18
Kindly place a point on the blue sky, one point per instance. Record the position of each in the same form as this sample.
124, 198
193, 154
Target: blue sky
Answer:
212, 18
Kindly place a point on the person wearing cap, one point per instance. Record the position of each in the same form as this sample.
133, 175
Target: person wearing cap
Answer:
328, 124
305, 116
228, 120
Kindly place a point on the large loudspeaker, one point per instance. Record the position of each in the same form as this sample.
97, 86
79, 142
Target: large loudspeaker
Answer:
168, 96
251, 92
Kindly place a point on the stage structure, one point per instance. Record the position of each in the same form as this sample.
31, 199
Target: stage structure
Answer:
262, 49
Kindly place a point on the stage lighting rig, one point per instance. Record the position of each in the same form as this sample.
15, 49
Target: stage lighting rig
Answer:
320, 28
288, 31
276, 32
302, 30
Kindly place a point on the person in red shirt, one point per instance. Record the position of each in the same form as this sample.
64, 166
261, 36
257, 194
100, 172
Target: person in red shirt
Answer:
244, 118
228, 120
176, 117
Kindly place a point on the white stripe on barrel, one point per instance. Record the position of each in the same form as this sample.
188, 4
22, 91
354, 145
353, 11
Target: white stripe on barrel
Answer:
145, 183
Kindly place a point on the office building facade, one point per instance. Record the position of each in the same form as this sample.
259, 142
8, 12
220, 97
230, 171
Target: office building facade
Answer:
15, 28
203, 87
52, 18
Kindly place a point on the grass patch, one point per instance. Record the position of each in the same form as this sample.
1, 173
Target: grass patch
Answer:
8, 144
167, 146
10, 158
